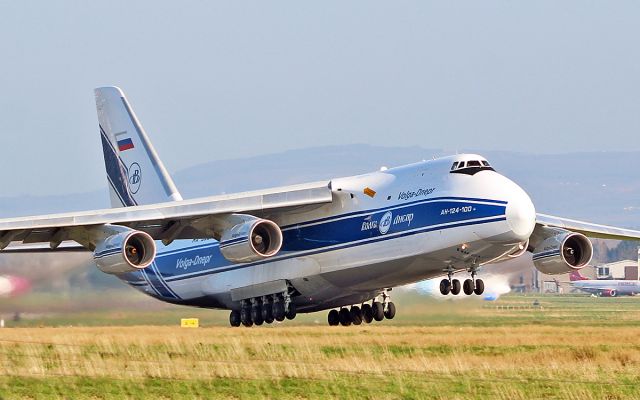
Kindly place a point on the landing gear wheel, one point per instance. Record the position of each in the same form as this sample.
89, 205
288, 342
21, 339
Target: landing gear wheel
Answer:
390, 312
256, 315
267, 312
356, 315
455, 287
234, 318
291, 311
333, 318
245, 317
278, 311
367, 313
479, 289
378, 311
345, 317
445, 287
467, 287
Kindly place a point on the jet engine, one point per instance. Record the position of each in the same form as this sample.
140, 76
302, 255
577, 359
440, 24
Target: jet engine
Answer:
251, 240
562, 253
608, 293
124, 252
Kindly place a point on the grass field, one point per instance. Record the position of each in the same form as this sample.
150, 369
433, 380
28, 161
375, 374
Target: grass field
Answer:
572, 347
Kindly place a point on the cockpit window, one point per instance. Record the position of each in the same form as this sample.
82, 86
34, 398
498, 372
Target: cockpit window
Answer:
470, 167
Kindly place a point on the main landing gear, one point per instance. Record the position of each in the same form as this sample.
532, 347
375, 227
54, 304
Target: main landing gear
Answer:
469, 286
367, 313
265, 309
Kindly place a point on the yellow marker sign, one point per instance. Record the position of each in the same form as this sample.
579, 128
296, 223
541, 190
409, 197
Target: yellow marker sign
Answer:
369, 192
189, 323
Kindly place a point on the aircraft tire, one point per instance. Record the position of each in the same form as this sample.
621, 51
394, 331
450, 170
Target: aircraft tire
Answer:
267, 312
256, 315
278, 311
245, 317
390, 312
445, 287
333, 318
345, 317
291, 311
455, 287
378, 311
356, 315
367, 313
234, 318
479, 289
467, 287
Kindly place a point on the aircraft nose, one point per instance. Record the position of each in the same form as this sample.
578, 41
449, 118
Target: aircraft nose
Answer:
520, 212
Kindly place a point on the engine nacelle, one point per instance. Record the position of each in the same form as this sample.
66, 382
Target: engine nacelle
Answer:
563, 253
251, 240
124, 252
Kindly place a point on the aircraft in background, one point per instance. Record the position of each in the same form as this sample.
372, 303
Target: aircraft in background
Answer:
604, 287
11, 286
338, 245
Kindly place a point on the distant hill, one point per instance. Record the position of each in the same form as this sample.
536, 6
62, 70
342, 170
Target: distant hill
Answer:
602, 187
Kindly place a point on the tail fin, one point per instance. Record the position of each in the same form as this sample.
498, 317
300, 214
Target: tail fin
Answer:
134, 171
576, 276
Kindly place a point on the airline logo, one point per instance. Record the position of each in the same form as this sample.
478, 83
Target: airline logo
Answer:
385, 222
185, 263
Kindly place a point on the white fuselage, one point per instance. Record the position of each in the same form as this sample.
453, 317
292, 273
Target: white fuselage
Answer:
381, 230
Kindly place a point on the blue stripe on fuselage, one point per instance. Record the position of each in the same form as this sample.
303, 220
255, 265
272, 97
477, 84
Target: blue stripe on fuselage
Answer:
187, 259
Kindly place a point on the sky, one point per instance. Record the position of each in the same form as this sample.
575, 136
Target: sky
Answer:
217, 80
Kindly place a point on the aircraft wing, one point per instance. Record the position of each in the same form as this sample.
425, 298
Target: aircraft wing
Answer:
187, 219
586, 228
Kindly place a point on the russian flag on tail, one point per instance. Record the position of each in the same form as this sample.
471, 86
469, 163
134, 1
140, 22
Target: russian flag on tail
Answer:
125, 144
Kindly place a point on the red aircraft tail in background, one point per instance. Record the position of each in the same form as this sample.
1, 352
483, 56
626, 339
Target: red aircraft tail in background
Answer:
575, 276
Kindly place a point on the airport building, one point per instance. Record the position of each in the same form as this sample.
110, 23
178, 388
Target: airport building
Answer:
626, 269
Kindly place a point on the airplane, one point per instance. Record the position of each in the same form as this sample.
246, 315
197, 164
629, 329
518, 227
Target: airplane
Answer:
11, 286
605, 287
340, 245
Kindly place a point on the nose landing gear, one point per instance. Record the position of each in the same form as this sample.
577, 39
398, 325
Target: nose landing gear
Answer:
469, 286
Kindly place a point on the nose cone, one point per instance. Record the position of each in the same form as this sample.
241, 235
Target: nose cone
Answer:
521, 214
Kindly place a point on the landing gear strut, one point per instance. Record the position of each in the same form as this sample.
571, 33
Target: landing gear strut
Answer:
478, 284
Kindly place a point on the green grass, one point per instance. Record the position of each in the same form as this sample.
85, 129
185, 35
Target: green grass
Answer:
565, 347
346, 387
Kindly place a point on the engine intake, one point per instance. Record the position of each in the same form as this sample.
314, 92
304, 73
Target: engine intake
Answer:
251, 240
563, 253
124, 252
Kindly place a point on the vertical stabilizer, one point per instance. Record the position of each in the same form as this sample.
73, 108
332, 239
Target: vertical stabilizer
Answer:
577, 276
135, 173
